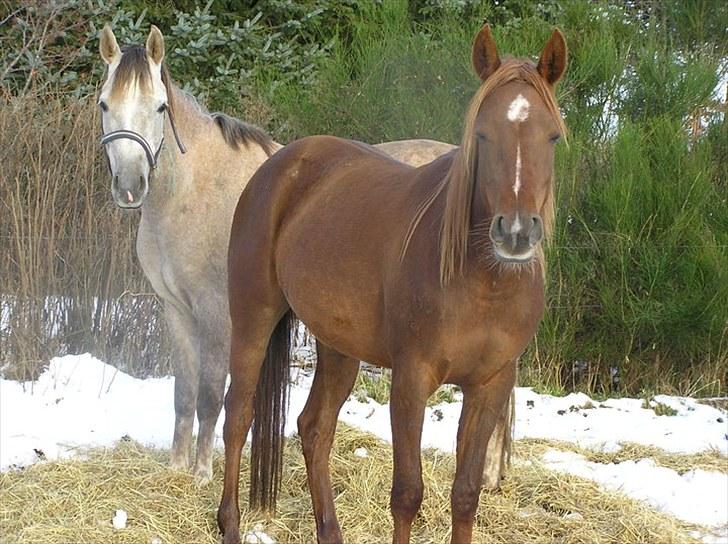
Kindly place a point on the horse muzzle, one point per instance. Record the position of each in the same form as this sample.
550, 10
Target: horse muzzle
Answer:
129, 194
514, 241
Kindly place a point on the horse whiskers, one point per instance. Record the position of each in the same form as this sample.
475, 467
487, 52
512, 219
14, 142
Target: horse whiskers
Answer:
487, 257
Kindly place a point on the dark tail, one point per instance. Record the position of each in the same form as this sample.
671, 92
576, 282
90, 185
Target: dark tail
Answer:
271, 403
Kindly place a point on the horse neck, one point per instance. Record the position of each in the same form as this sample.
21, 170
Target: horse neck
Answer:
174, 176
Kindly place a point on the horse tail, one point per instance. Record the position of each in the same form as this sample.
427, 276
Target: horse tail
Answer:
270, 405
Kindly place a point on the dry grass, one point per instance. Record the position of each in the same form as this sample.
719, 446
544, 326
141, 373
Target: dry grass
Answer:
70, 280
74, 500
712, 460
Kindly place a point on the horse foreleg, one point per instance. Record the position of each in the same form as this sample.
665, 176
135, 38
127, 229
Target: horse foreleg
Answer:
332, 383
186, 364
247, 352
483, 404
410, 390
213, 371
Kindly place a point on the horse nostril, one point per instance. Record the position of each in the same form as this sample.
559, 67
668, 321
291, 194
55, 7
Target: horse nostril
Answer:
498, 229
535, 234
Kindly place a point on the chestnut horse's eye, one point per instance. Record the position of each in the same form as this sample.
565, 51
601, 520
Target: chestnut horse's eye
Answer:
554, 138
103, 106
481, 137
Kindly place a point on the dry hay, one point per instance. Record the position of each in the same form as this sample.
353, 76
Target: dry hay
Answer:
74, 500
711, 460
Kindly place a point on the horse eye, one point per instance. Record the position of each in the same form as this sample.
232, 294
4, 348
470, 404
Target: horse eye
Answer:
482, 137
104, 106
161, 108
555, 138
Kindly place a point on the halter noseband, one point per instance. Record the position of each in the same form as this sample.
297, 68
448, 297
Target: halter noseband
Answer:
152, 156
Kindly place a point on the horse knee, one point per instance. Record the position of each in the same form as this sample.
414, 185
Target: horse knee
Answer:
406, 500
464, 501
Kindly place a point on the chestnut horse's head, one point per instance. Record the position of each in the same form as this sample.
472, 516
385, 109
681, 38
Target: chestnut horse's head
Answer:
134, 101
505, 164
514, 133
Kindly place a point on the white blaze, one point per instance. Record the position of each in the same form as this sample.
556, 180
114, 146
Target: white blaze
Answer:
517, 183
518, 110
518, 113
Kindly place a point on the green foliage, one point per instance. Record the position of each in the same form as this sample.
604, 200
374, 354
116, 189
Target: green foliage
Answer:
216, 53
386, 58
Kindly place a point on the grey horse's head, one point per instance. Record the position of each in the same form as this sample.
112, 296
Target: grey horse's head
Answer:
133, 102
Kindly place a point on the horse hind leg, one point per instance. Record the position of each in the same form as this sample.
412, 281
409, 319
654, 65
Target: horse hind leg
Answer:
498, 456
249, 343
483, 404
211, 389
186, 364
332, 383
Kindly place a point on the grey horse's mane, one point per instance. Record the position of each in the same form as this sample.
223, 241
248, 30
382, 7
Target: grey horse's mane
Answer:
134, 67
237, 132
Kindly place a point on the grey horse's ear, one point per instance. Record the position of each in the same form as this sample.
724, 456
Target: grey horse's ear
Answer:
485, 54
108, 48
155, 45
554, 57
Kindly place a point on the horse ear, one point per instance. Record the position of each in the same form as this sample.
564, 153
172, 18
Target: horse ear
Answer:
108, 47
552, 63
155, 45
485, 54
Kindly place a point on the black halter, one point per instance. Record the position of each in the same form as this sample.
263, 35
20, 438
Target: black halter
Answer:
152, 156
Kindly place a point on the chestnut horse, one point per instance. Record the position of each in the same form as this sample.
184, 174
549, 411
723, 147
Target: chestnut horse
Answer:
436, 272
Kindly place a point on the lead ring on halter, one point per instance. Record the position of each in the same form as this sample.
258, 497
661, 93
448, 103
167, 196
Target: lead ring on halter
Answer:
152, 156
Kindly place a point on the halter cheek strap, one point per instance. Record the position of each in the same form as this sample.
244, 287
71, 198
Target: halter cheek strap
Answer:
152, 156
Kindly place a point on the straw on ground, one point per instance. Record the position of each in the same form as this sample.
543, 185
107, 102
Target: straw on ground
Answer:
74, 501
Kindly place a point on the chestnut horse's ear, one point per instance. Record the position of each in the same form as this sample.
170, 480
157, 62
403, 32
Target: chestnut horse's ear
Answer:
108, 47
485, 55
552, 63
155, 45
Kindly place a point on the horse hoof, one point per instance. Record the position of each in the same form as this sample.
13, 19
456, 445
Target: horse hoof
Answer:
203, 476
179, 463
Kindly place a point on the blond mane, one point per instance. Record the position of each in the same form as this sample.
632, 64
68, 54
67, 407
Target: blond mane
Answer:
459, 183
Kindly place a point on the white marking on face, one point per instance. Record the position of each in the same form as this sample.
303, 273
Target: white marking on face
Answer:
518, 113
516, 225
518, 110
517, 182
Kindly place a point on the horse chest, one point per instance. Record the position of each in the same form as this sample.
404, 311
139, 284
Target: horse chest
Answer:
179, 263
487, 332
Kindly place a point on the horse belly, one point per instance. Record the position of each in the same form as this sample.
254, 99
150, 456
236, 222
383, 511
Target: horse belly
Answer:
335, 292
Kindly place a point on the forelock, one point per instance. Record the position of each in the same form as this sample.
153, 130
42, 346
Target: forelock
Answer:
133, 69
